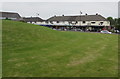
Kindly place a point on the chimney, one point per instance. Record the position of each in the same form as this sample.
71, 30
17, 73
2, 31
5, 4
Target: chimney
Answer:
96, 13
86, 14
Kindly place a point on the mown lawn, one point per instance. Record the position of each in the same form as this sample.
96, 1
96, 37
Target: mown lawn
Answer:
0, 48
36, 51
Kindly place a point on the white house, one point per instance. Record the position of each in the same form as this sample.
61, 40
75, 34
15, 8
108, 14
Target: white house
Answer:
33, 20
10, 15
83, 21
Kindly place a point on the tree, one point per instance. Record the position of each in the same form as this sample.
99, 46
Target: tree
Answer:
118, 24
112, 21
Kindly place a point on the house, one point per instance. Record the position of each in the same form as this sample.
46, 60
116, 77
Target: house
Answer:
10, 15
33, 20
84, 22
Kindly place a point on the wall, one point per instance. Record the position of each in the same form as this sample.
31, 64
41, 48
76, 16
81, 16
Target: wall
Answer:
8, 18
97, 23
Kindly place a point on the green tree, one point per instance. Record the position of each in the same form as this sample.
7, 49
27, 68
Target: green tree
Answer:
115, 22
118, 24
112, 21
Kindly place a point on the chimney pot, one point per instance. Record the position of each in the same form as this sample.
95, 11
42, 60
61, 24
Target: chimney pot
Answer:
96, 13
86, 14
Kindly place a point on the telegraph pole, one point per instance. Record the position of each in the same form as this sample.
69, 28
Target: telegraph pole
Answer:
37, 14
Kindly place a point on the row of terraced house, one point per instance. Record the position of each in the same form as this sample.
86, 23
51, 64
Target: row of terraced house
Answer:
81, 22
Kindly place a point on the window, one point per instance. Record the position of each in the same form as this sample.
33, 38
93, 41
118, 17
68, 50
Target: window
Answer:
69, 22
84, 22
101, 23
57, 21
76, 22
93, 22
46, 21
51, 22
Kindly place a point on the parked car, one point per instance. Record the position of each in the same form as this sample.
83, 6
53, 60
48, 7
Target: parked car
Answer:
59, 29
79, 30
106, 31
73, 29
116, 31
54, 29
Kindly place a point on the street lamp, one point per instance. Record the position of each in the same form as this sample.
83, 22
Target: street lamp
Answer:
37, 15
80, 18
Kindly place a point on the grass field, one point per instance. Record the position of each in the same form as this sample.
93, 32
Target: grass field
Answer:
36, 51
0, 48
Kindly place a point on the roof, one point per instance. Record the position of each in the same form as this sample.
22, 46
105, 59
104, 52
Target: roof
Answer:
78, 18
9, 15
32, 19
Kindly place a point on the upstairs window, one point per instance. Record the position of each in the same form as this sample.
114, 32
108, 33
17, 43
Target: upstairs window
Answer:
69, 22
46, 21
84, 22
76, 22
101, 23
93, 22
57, 21
51, 22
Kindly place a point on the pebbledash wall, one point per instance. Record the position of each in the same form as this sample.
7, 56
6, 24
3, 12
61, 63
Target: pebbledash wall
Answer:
79, 23
84, 20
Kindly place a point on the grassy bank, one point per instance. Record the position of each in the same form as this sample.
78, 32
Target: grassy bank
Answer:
37, 51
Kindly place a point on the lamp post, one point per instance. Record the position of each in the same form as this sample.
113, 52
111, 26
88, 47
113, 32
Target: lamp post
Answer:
37, 15
80, 18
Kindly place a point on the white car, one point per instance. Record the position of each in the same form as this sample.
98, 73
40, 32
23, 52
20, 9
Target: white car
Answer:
116, 31
106, 31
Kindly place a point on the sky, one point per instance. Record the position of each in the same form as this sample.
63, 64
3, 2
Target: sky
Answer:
59, 0
49, 9
119, 9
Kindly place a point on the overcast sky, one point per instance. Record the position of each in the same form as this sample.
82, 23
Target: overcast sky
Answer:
48, 9
59, 0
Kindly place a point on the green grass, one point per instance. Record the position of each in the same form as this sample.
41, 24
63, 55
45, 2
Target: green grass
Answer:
36, 51
0, 48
